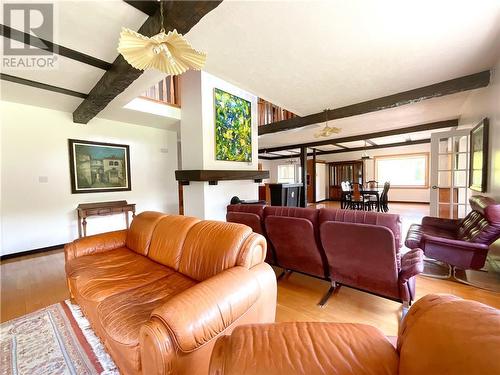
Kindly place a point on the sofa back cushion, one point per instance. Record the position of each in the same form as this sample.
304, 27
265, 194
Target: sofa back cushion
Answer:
141, 230
211, 247
248, 214
482, 224
390, 221
168, 239
294, 235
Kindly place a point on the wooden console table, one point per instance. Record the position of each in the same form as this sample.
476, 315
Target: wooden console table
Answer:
85, 210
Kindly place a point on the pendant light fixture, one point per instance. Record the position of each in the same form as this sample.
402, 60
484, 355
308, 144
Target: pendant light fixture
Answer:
169, 53
327, 130
365, 155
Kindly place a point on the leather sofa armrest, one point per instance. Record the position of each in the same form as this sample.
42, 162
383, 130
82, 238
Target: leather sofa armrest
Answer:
412, 264
457, 244
95, 244
199, 314
448, 224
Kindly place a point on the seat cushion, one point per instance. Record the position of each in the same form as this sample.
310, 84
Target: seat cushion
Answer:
416, 231
95, 277
304, 348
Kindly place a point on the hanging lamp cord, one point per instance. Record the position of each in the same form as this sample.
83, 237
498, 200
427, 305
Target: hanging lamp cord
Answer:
162, 29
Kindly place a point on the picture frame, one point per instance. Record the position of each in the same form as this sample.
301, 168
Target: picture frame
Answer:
97, 167
233, 127
478, 159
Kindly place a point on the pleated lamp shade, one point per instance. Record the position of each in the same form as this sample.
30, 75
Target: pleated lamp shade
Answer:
169, 53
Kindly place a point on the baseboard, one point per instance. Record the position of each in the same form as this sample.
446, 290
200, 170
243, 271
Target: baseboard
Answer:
31, 252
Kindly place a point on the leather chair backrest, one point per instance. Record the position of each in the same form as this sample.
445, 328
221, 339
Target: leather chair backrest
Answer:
214, 246
362, 256
443, 334
482, 224
141, 230
253, 216
294, 235
390, 221
248, 214
168, 239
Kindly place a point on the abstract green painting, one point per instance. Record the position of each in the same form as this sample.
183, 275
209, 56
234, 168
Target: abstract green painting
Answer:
233, 127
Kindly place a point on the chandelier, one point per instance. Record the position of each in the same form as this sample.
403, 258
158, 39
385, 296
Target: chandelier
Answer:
169, 53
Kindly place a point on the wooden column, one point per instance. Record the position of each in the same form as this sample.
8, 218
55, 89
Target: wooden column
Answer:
313, 176
303, 164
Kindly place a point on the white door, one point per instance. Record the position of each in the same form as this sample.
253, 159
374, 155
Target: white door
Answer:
450, 174
320, 181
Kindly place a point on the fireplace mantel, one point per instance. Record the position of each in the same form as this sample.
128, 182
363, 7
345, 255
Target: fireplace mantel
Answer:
214, 176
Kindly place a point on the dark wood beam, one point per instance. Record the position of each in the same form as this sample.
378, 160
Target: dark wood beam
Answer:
47, 45
180, 15
452, 86
40, 85
213, 176
340, 146
313, 175
370, 142
303, 174
389, 145
362, 137
145, 6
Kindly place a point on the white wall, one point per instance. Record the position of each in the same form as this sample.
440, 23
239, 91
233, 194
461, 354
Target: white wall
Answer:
486, 103
403, 195
198, 147
34, 143
321, 181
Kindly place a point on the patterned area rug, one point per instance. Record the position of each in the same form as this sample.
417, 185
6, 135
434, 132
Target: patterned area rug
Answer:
54, 340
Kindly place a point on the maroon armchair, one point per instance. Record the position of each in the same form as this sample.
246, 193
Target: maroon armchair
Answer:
461, 243
363, 251
293, 233
253, 216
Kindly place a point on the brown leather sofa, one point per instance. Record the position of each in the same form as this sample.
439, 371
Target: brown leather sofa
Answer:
441, 334
160, 293
359, 249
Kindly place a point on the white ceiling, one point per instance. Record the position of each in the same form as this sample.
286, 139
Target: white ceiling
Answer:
302, 55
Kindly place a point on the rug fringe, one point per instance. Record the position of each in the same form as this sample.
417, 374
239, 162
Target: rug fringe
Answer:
95, 343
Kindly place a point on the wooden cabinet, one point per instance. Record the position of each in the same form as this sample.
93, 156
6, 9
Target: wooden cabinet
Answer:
352, 171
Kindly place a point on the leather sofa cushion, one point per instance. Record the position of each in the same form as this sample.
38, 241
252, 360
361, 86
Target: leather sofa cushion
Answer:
118, 273
416, 231
442, 334
304, 348
168, 239
123, 314
255, 209
141, 230
202, 258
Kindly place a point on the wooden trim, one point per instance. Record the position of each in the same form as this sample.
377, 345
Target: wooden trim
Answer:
486, 134
452, 86
362, 137
146, 7
43, 86
180, 15
185, 176
400, 156
31, 252
159, 101
34, 41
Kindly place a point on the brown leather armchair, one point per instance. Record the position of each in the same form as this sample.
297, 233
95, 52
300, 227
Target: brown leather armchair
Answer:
441, 334
159, 294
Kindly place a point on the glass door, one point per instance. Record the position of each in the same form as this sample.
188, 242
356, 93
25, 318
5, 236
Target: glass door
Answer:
449, 174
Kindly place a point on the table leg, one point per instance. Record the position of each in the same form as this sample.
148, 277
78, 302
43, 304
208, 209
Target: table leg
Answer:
378, 203
126, 218
79, 227
84, 225
133, 213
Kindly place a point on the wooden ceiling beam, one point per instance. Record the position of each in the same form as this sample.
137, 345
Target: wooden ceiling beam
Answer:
145, 6
180, 15
362, 137
318, 153
452, 86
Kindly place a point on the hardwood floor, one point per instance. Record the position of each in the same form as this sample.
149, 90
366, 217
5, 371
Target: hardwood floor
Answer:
34, 281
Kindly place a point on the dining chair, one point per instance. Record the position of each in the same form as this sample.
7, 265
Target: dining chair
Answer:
384, 197
357, 199
345, 199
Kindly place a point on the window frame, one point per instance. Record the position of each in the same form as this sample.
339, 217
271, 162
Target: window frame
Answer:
402, 156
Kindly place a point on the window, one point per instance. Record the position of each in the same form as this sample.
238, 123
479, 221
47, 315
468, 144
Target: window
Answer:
287, 173
405, 171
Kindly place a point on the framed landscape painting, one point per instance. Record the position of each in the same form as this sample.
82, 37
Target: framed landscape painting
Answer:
98, 167
478, 166
233, 127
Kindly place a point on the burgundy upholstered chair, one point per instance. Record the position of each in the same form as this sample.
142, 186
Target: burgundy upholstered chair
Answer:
363, 251
460, 243
293, 233
253, 216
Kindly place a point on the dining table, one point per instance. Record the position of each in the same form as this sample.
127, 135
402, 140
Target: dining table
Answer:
367, 191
